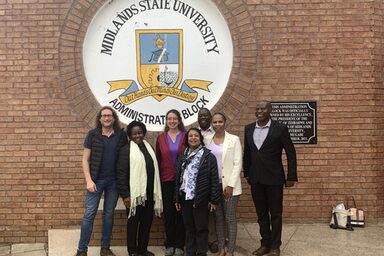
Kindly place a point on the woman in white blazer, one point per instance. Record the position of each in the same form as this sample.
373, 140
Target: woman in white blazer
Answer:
227, 150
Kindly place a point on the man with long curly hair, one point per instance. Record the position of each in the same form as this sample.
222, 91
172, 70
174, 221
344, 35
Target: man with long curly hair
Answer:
101, 148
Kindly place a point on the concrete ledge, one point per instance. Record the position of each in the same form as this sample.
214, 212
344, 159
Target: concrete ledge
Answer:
63, 242
34, 253
20, 248
5, 249
38, 249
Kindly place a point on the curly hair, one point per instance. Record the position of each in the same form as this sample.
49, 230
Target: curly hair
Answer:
133, 124
116, 124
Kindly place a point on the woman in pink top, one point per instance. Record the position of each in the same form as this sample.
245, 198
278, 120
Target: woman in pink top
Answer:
227, 150
169, 145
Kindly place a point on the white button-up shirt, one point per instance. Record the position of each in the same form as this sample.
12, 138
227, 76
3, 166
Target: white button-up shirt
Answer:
207, 132
260, 134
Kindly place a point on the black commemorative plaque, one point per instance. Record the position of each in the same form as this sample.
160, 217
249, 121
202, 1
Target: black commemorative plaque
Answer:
300, 117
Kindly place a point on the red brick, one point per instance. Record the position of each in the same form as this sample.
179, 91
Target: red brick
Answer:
284, 50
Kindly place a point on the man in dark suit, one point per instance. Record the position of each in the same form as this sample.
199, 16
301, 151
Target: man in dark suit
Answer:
264, 141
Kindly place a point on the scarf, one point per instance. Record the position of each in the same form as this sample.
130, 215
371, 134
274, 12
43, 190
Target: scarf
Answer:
138, 179
191, 167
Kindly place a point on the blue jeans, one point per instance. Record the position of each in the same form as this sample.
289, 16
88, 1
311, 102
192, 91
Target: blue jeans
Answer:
108, 186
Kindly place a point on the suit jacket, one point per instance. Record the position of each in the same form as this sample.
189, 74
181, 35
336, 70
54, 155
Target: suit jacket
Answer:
231, 162
265, 165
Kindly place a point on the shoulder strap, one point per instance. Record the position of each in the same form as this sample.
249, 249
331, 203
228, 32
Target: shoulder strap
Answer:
352, 199
335, 224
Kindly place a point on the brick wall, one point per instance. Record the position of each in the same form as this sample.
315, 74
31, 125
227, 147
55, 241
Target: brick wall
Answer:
378, 111
328, 51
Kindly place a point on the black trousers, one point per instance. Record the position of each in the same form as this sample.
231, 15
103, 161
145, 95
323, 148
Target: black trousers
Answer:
139, 228
173, 219
196, 228
268, 202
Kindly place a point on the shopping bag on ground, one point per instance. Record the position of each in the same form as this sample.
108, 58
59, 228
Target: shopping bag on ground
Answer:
357, 215
341, 218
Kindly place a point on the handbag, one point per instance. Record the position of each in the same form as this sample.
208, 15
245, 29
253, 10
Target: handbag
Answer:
341, 218
357, 217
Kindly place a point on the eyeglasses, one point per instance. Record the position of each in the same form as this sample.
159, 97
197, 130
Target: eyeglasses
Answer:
105, 116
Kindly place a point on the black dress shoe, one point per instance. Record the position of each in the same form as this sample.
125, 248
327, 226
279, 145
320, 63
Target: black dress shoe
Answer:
106, 252
147, 253
262, 250
274, 252
213, 247
80, 253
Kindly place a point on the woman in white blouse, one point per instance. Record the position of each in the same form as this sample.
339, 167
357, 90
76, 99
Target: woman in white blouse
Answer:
227, 150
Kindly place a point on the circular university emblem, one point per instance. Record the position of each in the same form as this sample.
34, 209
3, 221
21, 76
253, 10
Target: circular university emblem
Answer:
145, 57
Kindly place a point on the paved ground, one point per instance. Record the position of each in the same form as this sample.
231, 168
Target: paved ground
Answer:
298, 240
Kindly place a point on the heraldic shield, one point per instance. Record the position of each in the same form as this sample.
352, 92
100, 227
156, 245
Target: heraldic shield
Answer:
159, 56
159, 59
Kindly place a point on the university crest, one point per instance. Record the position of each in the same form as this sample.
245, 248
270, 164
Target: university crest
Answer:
159, 61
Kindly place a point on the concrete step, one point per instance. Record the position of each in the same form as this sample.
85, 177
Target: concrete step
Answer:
63, 242
38, 249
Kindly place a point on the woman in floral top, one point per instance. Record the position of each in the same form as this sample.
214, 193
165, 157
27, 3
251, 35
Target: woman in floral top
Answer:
197, 191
